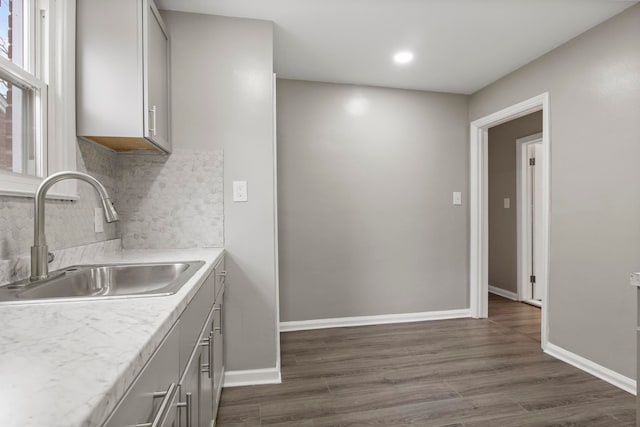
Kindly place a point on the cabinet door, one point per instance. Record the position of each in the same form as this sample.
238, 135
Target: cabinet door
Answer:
153, 389
218, 349
194, 319
171, 417
157, 79
190, 386
206, 373
221, 275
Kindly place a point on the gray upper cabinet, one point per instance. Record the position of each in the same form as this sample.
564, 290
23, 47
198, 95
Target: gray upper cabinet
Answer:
123, 79
157, 81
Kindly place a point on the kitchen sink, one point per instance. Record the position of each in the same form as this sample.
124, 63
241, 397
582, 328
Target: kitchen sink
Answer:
104, 281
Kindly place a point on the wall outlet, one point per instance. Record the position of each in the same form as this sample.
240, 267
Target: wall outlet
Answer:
240, 191
98, 220
507, 203
457, 198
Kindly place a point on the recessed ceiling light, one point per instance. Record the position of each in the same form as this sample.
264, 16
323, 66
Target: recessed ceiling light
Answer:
403, 57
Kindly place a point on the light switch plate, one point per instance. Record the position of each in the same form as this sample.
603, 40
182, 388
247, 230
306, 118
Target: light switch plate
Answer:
457, 198
507, 203
240, 191
98, 220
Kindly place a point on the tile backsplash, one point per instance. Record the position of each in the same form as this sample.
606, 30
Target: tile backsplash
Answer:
171, 201
68, 223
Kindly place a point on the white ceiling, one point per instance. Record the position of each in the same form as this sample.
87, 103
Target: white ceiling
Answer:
460, 46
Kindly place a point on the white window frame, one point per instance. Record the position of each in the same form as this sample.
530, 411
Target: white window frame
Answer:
55, 122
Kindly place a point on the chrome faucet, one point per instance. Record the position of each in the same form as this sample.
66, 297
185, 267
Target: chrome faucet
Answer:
39, 251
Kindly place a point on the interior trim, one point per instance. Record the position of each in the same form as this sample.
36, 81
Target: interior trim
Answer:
342, 322
503, 293
612, 377
252, 377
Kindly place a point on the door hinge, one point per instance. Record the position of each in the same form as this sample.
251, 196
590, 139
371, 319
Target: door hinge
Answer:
532, 279
532, 161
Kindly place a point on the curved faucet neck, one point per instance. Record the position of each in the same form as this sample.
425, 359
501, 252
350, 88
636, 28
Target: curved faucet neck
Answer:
39, 265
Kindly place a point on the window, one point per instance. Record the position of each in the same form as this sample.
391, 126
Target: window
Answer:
37, 132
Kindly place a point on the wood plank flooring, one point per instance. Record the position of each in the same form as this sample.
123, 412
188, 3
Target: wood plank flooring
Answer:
461, 372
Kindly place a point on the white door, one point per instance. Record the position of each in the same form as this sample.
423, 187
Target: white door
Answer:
534, 220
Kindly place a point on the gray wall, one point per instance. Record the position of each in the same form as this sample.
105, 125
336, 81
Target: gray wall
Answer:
222, 98
365, 182
594, 87
503, 223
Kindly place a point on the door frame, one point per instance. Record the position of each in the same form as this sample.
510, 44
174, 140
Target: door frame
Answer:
523, 238
479, 205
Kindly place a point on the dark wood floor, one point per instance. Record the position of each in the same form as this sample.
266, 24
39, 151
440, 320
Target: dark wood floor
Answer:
461, 372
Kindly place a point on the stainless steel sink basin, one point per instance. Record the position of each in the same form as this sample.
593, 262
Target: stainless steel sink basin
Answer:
104, 281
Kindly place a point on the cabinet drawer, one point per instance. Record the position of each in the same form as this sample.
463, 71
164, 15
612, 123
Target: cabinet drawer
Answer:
221, 275
139, 405
193, 319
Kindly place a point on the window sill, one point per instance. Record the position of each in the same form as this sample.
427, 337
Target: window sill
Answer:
15, 185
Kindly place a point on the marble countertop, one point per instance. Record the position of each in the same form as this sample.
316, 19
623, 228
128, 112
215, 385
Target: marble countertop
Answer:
68, 363
635, 279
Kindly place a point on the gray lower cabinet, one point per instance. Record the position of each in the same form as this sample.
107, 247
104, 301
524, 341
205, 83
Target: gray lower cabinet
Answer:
190, 385
181, 383
154, 390
170, 419
206, 373
218, 348
196, 384
221, 276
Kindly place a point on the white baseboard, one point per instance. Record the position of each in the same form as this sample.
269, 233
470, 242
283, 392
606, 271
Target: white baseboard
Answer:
252, 377
503, 293
342, 322
533, 302
625, 383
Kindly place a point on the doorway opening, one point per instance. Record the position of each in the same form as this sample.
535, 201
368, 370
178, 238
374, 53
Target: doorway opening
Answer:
530, 157
528, 278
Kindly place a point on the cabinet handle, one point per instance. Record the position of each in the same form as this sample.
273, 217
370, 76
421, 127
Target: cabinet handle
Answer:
210, 354
167, 397
188, 406
223, 276
206, 367
153, 116
219, 310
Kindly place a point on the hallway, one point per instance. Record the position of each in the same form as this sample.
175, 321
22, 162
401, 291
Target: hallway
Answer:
520, 318
461, 372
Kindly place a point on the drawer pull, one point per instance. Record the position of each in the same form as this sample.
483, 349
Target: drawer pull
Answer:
219, 328
166, 396
210, 353
222, 274
219, 310
152, 130
188, 406
206, 342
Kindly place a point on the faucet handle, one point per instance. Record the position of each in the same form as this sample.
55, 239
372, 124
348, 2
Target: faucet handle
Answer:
50, 257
